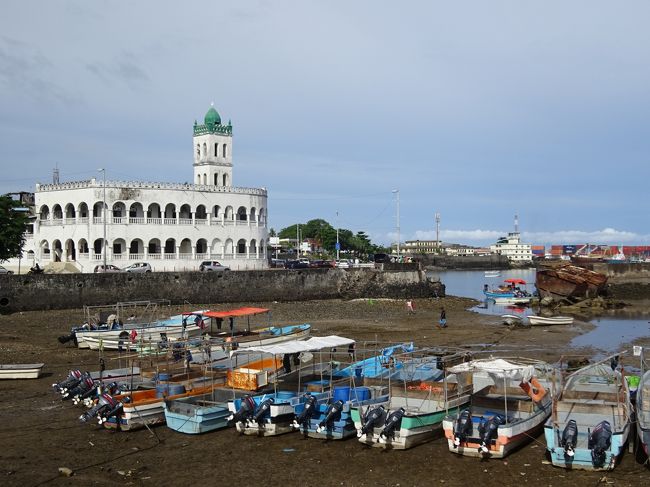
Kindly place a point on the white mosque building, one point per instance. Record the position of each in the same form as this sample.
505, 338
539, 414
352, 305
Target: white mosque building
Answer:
172, 226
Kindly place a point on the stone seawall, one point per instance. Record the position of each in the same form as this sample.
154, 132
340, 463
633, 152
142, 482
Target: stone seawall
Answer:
64, 291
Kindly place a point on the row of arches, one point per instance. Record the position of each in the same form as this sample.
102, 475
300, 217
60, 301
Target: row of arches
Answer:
154, 211
153, 249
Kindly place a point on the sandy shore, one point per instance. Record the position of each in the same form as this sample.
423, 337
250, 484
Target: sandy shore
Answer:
41, 434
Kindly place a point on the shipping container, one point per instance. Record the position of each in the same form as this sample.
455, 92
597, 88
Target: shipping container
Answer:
557, 247
629, 250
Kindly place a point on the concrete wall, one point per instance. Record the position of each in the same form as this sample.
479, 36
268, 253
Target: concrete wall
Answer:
62, 291
465, 262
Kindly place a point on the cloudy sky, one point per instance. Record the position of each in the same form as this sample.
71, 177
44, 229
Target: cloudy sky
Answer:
476, 110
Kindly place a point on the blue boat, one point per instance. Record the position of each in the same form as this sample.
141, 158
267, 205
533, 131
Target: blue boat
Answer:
273, 413
199, 414
591, 419
333, 420
378, 365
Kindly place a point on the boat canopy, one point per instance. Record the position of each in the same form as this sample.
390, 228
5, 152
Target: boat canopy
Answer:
233, 313
297, 346
498, 368
515, 281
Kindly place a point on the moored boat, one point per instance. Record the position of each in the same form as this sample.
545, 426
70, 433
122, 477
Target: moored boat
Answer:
20, 371
509, 405
512, 320
550, 320
591, 419
417, 405
643, 412
200, 413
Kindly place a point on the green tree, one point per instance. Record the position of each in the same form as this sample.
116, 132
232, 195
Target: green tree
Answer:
13, 223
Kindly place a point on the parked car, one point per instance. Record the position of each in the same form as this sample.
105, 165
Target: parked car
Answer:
138, 267
109, 268
343, 264
278, 263
296, 264
5, 271
321, 264
212, 265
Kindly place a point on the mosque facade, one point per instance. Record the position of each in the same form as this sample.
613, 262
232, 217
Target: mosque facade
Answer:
172, 226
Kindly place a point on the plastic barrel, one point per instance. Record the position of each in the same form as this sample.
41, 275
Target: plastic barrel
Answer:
341, 393
162, 376
360, 394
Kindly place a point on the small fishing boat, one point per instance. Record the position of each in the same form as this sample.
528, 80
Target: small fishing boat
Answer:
418, 402
550, 320
509, 405
492, 273
201, 413
509, 290
591, 418
274, 413
512, 320
20, 371
513, 300
643, 411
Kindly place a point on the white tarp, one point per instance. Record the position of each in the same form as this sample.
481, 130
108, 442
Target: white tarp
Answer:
298, 346
497, 368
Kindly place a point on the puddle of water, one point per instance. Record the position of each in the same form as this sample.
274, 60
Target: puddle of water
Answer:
610, 333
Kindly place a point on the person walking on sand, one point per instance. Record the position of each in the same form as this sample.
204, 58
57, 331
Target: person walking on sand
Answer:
409, 307
443, 318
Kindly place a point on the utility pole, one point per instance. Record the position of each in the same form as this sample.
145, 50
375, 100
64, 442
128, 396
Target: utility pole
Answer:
338, 245
438, 233
297, 240
396, 191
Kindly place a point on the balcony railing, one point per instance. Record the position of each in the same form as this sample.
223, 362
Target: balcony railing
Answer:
169, 221
169, 256
119, 219
155, 256
185, 221
137, 219
136, 256
154, 221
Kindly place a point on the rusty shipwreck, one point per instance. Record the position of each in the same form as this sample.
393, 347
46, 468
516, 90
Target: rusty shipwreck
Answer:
568, 281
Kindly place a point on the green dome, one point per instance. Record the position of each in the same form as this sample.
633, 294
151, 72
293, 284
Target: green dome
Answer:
212, 117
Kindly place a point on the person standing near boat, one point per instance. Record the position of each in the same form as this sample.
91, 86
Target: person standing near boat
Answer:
443, 318
409, 307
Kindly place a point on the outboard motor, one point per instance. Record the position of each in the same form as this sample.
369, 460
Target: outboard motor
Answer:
307, 412
262, 411
104, 404
245, 410
84, 385
487, 431
112, 388
74, 376
463, 427
393, 420
106, 415
332, 414
372, 418
570, 438
90, 394
600, 440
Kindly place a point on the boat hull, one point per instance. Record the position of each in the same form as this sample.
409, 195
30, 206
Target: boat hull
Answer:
551, 320
20, 371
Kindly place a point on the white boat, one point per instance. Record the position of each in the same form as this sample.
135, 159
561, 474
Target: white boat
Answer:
643, 411
512, 319
513, 300
510, 403
550, 320
492, 273
20, 371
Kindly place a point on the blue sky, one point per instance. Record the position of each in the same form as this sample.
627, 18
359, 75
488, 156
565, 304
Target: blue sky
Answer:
476, 110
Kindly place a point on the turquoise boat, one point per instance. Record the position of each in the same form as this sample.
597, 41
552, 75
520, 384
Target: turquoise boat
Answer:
591, 419
375, 366
199, 414
421, 395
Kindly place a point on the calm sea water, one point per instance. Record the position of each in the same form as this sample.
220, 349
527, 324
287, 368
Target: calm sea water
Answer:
610, 334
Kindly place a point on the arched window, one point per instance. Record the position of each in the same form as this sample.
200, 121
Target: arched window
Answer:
198, 151
205, 150
225, 180
216, 179
225, 150
198, 179
216, 149
205, 178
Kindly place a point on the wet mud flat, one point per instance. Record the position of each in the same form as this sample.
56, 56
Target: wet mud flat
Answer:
40, 433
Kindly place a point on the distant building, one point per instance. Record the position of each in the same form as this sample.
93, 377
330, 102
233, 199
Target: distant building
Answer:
420, 247
512, 248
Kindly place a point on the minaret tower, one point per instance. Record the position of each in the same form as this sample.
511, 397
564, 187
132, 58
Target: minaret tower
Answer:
213, 151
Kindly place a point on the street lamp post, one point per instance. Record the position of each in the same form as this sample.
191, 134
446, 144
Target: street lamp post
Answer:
338, 245
396, 191
104, 215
